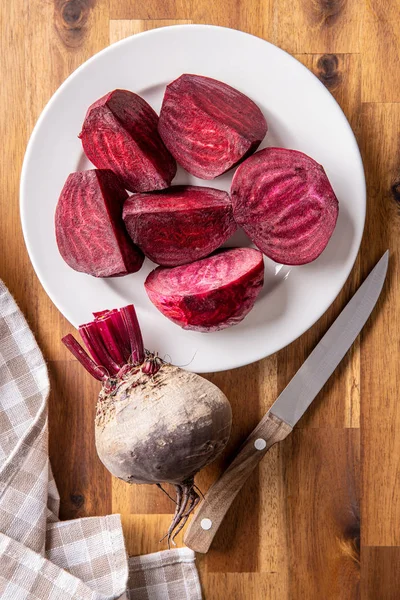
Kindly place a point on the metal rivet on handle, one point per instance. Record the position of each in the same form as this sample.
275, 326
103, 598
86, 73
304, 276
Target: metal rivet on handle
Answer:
260, 444
206, 524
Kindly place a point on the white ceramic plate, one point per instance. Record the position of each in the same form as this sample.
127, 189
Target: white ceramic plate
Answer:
301, 114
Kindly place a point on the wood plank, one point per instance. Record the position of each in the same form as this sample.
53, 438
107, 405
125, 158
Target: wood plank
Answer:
380, 10
243, 586
143, 533
83, 482
150, 10
381, 56
380, 376
317, 26
380, 573
141, 499
254, 16
122, 29
322, 512
15, 270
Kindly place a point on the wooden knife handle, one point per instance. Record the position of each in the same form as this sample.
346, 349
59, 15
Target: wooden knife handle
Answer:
222, 493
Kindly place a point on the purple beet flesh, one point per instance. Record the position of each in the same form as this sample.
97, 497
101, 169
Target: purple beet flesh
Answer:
208, 126
210, 294
179, 225
286, 205
90, 232
120, 133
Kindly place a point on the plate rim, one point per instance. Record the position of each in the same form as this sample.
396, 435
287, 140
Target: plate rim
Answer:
60, 306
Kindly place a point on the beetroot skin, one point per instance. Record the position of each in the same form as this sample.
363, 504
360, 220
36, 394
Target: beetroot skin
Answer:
179, 225
90, 232
208, 126
120, 133
210, 294
286, 205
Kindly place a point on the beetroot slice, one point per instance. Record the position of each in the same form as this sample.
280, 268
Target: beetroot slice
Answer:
120, 133
286, 205
210, 294
208, 126
90, 232
179, 225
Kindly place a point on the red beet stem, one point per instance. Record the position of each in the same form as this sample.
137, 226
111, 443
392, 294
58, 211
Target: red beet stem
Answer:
94, 342
131, 322
76, 349
121, 333
118, 330
85, 337
110, 341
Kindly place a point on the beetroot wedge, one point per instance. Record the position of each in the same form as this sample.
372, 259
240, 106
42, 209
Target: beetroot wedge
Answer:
208, 126
179, 225
90, 232
120, 133
210, 294
286, 205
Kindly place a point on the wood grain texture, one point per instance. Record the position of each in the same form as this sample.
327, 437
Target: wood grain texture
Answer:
318, 26
380, 576
381, 58
380, 375
322, 509
293, 533
122, 29
85, 486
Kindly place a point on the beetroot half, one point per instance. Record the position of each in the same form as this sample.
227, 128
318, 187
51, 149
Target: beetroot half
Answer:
90, 232
179, 225
286, 205
208, 126
210, 294
120, 133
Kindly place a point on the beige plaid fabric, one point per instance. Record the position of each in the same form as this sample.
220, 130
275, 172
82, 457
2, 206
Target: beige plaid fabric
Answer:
41, 557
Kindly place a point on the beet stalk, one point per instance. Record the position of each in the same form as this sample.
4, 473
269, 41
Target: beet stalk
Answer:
155, 423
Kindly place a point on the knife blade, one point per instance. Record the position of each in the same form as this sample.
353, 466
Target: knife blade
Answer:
287, 409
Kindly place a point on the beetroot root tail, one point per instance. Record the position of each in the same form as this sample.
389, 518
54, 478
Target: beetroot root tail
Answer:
186, 501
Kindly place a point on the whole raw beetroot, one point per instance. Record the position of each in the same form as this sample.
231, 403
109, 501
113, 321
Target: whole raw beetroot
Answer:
179, 225
209, 126
120, 133
90, 232
210, 294
286, 205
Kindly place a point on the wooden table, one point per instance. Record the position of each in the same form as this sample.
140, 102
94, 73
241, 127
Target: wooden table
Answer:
321, 517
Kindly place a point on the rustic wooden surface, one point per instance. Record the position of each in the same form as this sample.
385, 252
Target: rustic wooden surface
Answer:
320, 519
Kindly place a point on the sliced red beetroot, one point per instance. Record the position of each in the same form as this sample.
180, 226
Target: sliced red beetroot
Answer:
208, 126
120, 133
210, 294
90, 232
286, 205
179, 225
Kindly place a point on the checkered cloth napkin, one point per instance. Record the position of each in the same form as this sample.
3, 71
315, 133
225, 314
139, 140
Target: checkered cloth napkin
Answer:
41, 557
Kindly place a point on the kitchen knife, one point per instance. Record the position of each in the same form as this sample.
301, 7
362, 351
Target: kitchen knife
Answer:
289, 407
